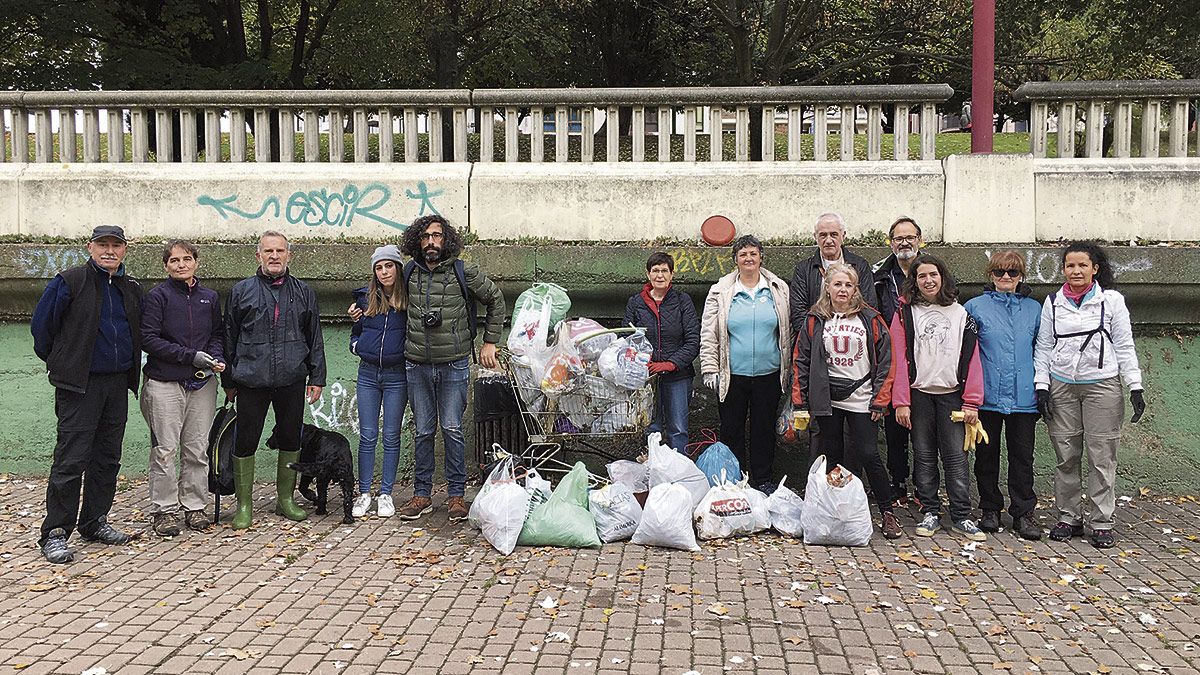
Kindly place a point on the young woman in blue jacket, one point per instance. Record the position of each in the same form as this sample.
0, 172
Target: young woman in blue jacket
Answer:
378, 340
1008, 321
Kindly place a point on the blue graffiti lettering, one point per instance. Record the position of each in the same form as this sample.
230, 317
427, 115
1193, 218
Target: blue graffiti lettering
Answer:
317, 208
425, 196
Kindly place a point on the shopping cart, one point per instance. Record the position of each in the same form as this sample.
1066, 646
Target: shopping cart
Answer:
592, 417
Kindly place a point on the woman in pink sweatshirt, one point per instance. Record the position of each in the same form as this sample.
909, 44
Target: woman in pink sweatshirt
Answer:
936, 352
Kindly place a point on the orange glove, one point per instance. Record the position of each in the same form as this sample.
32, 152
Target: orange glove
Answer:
657, 367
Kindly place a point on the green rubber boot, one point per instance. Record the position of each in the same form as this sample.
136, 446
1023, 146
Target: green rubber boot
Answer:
243, 487
285, 488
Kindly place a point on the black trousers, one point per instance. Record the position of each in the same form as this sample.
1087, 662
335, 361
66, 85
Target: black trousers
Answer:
758, 397
896, 437
91, 428
1018, 438
252, 404
863, 451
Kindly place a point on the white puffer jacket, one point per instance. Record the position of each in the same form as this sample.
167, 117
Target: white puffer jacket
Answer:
1087, 347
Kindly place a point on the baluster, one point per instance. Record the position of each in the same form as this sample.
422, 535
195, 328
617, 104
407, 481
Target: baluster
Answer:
846, 132
874, 132
512, 135
1151, 124
188, 151
337, 136
141, 134
3, 143
716, 143
1039, 112
434, 117
411, 136
164, 142
91, 136
1177, 140
689, 133
20, 135
929, 131
487, 134
43, 140
768, 133
361, 146
741, 134
116, 135
66, 135
900, 132
612, 134
587, 137
212, 135
312, 136
1094, 126
1066, 129
562, 132
795, 129
1123, 129
287, 135
459, 125
387, 145
821, 132
537, 137
638, 129
237, 135
665, 113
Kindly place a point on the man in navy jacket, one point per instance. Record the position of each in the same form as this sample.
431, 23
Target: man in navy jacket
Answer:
85, 327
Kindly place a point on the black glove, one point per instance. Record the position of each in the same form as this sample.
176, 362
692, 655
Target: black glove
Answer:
1044, 405
1139, 405
203, 360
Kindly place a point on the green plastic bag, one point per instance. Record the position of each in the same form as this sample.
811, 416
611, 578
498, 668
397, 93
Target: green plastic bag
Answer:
564, 519
539, 295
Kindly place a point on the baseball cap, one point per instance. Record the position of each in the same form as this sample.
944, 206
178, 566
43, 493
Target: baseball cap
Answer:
102, 231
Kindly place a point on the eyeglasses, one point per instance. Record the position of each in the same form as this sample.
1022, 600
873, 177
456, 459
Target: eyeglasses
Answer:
906, 240
431, 235
1001, 273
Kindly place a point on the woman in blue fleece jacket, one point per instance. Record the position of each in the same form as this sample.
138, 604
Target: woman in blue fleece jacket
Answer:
378, 340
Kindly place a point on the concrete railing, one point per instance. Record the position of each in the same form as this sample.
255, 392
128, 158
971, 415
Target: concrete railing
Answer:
195, 120
1115, 101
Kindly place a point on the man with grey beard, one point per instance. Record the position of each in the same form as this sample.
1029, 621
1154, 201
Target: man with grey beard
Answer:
904, 236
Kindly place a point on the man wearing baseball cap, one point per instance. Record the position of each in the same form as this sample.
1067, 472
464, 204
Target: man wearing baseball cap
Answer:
85, 327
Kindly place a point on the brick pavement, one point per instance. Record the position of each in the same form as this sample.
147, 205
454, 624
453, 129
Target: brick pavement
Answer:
388, 596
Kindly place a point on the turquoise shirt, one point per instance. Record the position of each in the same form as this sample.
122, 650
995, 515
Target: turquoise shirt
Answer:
1086, 296
753, 333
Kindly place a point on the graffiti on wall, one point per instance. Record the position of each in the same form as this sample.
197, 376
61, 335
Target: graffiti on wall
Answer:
702, 262
1045, 266
40, 263
336, 410
325, 207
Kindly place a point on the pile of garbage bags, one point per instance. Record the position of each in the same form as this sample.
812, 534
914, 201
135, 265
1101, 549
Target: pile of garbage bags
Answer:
666, 501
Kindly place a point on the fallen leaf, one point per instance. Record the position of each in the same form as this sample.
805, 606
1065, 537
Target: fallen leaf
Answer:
680, 589
910, 654
265, 623
794, 639
795, 603
997, 630
1103, 669
39, 588
241, 654
914, 558
718, 609
1001, 665
928, 594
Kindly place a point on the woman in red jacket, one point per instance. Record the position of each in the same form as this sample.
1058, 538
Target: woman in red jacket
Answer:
843, 377
935, 347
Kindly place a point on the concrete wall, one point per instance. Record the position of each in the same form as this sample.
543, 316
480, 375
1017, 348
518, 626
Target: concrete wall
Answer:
962, 199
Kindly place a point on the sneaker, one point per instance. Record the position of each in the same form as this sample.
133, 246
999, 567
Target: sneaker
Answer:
362, 504
929, 525
416, 507
166, 525
55, 547
384, 507
969, 529
197, 520
891, 526
456, 509
1026, 528
105, 534
1103, 539
990, 522
1063, 531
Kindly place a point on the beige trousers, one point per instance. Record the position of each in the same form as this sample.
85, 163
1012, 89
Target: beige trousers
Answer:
1086, 417
178, 419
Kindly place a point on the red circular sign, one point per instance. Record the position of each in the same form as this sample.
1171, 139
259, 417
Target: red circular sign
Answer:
718, 231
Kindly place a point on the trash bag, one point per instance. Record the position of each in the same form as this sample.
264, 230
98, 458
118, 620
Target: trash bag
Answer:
616, 511
786, 508
667, 519
539, 489
590, 348
835, 515
728, 509
717, 459
562, 369
535, 314
626, 362
668, 466
501, 507
631, 474
564, 519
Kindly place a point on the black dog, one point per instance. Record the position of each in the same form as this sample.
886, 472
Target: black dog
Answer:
324, 457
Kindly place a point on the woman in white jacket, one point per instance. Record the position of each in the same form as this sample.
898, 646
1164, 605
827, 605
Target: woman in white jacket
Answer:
745, 343
1084, 350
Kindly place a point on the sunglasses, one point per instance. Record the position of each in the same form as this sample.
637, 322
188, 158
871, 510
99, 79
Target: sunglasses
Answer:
1001, 273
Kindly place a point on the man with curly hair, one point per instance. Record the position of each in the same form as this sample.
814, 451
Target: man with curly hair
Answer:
443, 292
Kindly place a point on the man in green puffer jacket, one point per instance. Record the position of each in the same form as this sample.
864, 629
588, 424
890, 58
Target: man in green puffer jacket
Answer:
443, 293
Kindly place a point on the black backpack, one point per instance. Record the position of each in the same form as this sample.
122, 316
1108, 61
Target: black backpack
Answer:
221, 437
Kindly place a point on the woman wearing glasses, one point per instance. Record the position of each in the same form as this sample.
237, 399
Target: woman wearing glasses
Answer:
1008, 321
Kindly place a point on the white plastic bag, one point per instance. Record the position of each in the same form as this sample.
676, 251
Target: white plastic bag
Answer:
728, 509
667, 519
530, 326
668, 466
786, 508
502, 509
835, 516
590, 348
617, 513
631, 474
626, 362
562, 370
539, 488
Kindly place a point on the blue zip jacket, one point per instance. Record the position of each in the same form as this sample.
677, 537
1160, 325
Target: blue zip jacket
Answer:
113, 351
1008, 327
379, 340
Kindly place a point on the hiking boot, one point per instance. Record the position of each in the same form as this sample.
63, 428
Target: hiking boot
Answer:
197, 520
929, 525
55, 547
384, 507
990, 522
285, 488
1103, 539
1064, 531
1026, 528
166, 525
969, 529
243, 488
416, 507
456, 509
891, 526
362, 503
105, 534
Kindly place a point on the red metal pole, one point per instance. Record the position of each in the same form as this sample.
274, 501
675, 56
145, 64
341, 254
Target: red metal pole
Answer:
983, 74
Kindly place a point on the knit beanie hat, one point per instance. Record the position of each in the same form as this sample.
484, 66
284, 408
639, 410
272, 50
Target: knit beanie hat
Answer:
389, 252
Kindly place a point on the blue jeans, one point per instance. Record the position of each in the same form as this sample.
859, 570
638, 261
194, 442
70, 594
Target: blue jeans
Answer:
438, 392
671, 412
386, 387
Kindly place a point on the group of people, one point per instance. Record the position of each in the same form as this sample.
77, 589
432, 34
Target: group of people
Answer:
854, 344
415, 337
849, 343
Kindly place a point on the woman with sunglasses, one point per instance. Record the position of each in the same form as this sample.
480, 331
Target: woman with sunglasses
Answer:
1008, 321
